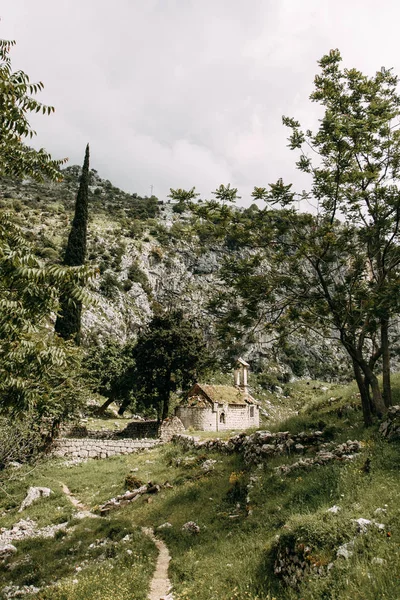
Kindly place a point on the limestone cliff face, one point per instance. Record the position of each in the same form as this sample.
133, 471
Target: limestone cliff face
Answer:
145, 255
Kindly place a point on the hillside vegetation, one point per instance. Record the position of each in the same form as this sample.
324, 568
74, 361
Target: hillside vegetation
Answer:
251, 519
149, 255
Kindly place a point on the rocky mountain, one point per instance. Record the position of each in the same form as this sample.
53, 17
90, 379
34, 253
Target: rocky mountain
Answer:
147, 254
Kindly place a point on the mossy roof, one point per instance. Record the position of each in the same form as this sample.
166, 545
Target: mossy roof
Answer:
223, 394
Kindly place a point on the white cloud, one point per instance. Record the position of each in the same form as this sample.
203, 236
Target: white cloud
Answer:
179, 93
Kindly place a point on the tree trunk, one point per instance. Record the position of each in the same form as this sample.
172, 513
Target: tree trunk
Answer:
165, 397
104, 406
165, 406
371, 404
377, 401
124, 406
387, 392
365, 400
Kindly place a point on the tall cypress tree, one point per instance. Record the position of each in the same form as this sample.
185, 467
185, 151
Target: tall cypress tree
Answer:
68, 323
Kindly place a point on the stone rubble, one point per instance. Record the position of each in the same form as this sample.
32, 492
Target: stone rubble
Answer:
208, 465
342, 452
166, 525
364, 524
334, 509
292, 565
27, 528
390, 428
256, 446
14, 591
345, 550
260, 445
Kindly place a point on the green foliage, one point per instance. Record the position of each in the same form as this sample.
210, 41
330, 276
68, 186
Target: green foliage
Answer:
183, 196
294, 358
170, 354
143, 208
16, 102
109, 286
68, 323
183, 199
315, 272
39, 374
34, 365
108, 369
20, 440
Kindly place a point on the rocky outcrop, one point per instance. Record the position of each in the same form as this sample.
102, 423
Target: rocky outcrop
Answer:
146, 258
34, 493
27, 528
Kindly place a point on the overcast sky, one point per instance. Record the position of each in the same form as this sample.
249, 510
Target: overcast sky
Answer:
182, 93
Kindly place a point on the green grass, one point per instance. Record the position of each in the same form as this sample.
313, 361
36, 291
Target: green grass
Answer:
232, 558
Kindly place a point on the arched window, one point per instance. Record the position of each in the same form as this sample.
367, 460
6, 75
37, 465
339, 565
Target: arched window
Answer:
222, 418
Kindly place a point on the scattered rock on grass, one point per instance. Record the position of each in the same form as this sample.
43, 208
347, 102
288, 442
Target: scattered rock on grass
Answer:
191, 527
364, 524
26, 528
14, 591
345, 550
6, 550
164, 526
34, 493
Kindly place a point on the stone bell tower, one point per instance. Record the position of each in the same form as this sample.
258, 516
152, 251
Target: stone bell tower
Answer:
241, 373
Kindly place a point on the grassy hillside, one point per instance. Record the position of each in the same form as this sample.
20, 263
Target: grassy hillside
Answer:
243, 530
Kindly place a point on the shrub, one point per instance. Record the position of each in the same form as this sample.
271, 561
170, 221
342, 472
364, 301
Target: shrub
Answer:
136, 275
127, 285
109, 286
132, 482
20, 440
179, 208
156, 254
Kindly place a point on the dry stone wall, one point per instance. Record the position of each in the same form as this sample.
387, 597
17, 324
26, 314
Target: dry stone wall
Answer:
100, 448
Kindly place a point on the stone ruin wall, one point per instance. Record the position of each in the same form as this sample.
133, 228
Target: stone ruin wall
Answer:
103, 444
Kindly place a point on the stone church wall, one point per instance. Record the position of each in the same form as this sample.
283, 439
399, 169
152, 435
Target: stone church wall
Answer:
202, 419
236, 417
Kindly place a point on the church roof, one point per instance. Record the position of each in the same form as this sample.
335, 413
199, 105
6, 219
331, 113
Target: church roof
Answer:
223, 394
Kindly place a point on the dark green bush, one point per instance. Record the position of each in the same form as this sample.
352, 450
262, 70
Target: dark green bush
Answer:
136, 275
109, 286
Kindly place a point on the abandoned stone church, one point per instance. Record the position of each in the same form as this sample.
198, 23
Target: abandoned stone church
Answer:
218, 407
